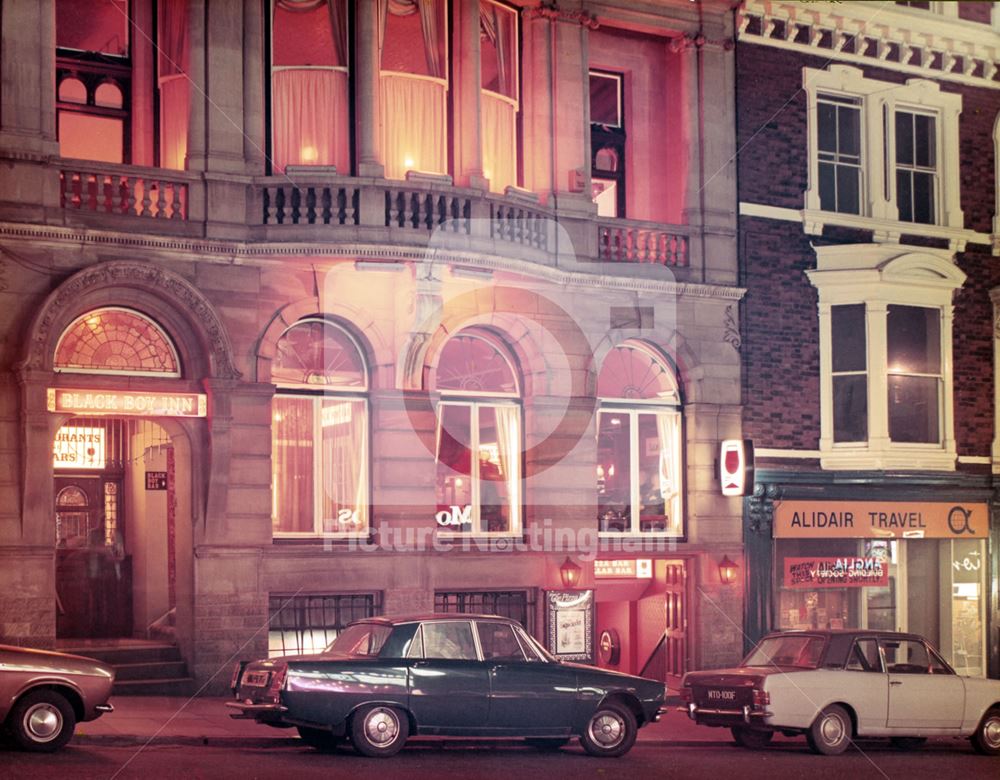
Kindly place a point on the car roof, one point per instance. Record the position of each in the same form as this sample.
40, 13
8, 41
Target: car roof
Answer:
845, 632
421, 617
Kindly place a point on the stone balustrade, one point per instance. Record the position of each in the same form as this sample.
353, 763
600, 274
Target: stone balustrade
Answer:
127, 190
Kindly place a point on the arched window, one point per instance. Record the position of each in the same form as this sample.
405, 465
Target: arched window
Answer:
639, 449
319, 433
478, 452
115, 340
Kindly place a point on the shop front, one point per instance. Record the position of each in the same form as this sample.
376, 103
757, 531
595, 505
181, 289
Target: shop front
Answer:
895, 564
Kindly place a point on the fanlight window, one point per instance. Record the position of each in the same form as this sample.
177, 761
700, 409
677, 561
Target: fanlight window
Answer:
471, 363
116, 341
634, 373
318, 353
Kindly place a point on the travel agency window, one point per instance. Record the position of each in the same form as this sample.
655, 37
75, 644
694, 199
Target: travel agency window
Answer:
310, 105
500, 92
906, 565
607, 142
881, 151
319, 430
885, 329
413, 53
639, 445
478, 442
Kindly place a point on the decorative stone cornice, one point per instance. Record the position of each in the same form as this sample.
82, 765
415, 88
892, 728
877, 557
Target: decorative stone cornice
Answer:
552, 12
877, 34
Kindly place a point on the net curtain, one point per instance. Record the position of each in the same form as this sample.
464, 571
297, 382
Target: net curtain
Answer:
175, 89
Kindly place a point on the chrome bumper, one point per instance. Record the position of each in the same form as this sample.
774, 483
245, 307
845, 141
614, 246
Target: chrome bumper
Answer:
104, 708
247, 710
746, 713
660, 712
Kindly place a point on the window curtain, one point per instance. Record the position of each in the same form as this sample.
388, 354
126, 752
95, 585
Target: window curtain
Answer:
338, 20
498, 25
311, 116
499, 127
431, 25
175, 88
345, 465
292, 465
413, 125
509, 445
668, 427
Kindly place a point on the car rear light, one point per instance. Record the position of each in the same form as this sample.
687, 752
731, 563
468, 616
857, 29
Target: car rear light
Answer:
761, 698
687, 695
277, 682
237, 673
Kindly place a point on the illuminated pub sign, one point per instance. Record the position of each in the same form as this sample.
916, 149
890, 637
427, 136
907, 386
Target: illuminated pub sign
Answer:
77, 447
880, 520
117, 402
843, 572
626, 568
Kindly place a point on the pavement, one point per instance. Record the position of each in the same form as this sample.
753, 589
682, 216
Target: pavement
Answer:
169, 720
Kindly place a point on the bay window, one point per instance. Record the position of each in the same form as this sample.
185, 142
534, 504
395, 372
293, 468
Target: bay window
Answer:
413, 56
478, 442
319, 449
499, 78
885, 317
310, 108
639, 434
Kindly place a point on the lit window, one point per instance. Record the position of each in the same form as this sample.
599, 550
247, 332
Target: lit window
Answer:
639, 488
116, 341
319, 429
301, 625
607, 141
310, 111
414, 86
499, 77
885, 339
478, 450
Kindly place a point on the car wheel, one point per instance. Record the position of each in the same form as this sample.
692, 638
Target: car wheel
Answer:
318, 738
986, 738
548, 743
752, 739
610, 732
830, 733
379, 731
42, 721
907, 743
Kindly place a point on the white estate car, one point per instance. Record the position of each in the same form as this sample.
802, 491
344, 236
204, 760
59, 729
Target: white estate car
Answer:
834, 686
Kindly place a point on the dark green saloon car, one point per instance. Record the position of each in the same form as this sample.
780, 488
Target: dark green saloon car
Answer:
385, 679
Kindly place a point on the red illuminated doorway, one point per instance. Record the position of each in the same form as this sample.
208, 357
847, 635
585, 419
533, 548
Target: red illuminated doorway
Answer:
669, 659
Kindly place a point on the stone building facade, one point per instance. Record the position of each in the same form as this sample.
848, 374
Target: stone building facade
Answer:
313, 310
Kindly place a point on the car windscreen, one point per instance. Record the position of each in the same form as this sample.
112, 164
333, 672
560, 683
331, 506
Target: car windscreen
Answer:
800, 651
361, 639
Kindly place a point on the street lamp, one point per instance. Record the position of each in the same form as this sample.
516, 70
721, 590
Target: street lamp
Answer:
727, 570
570, 573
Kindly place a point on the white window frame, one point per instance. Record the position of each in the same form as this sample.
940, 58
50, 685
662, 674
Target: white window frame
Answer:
474, 404
879, 102
632, 410
879, 276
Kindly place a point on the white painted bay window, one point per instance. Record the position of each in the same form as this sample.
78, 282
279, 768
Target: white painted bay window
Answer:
639, 434
885, 317
319, 428
478, 443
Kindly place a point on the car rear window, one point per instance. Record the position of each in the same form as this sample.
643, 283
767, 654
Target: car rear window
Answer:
800, 651
362, 639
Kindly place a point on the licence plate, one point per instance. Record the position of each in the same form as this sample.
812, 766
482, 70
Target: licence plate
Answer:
256, 679
720, 696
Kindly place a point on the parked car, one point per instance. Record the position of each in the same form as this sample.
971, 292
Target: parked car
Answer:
43, 695
834, 686
383, 680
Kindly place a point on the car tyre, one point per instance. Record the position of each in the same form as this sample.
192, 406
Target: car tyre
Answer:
907, 743
830, 733
42, 721
379, 731
986, 738
752, 739
546, 743
610, 732
318, 738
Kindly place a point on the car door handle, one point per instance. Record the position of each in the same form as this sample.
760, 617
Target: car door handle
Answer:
895, 682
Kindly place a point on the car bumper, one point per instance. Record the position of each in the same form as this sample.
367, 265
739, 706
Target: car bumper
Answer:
249, 711
725, 717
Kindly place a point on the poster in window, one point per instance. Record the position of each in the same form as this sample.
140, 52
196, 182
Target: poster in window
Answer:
570, 624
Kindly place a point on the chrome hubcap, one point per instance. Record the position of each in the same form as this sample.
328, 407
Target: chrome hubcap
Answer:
991, 733
381, 727
832, 730
607, 729
43, 722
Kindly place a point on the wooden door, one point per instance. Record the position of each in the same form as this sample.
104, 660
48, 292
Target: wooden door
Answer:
675, 638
